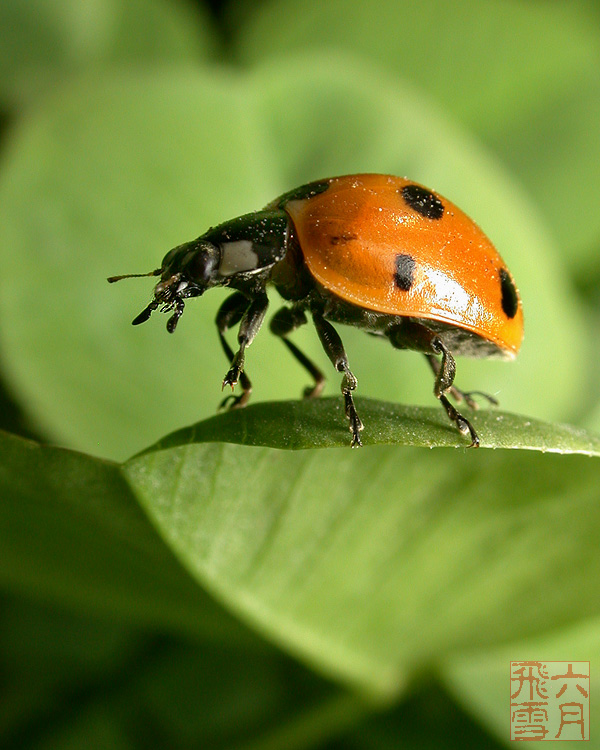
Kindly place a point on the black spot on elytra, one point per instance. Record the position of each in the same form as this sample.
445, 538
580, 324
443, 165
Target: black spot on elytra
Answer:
510, 299
341, 239
405, 272
423, 201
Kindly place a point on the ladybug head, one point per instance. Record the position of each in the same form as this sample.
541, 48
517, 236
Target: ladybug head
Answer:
187, 271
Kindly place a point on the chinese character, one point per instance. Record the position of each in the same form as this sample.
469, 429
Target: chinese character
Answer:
564, 713
525, 674
529, 720
569, 676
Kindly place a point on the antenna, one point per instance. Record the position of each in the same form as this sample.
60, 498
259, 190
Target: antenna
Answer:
112, 279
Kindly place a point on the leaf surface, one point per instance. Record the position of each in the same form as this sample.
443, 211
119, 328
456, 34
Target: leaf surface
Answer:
371, 563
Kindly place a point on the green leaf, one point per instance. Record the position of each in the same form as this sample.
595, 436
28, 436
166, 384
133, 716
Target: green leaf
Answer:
108, 176
71, 531
322, 424
45, 41
369, 564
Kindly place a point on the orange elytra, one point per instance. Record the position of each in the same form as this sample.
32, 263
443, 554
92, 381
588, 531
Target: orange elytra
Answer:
392, 246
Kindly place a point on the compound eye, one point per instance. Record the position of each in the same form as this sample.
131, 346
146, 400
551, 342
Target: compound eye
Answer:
170, 257
200, 265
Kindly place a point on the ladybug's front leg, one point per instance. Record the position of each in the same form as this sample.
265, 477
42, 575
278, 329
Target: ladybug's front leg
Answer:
334, 349
251, 322
251, 314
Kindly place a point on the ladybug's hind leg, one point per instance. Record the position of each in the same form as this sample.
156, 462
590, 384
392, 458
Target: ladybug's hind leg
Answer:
284, 322
410, 334
456, 393
334, 349
443, 384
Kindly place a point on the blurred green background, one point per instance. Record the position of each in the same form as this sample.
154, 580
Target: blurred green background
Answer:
130, 127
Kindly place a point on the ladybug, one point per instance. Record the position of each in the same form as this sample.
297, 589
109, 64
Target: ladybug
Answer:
374, 251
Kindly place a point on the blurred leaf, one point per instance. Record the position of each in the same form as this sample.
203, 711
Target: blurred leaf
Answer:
229, 698
593, 418
43, 41
71, 531
410, 727
556, 153
113, 172
371, 563
93, 728
154, 691
590, 417
480, 680
524, 76
45, 652
486, 61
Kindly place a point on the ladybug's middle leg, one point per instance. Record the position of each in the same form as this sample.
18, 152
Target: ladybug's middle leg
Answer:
334, 349
284, 322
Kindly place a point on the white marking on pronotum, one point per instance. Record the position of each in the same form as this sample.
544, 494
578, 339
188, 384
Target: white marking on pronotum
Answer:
237, 257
